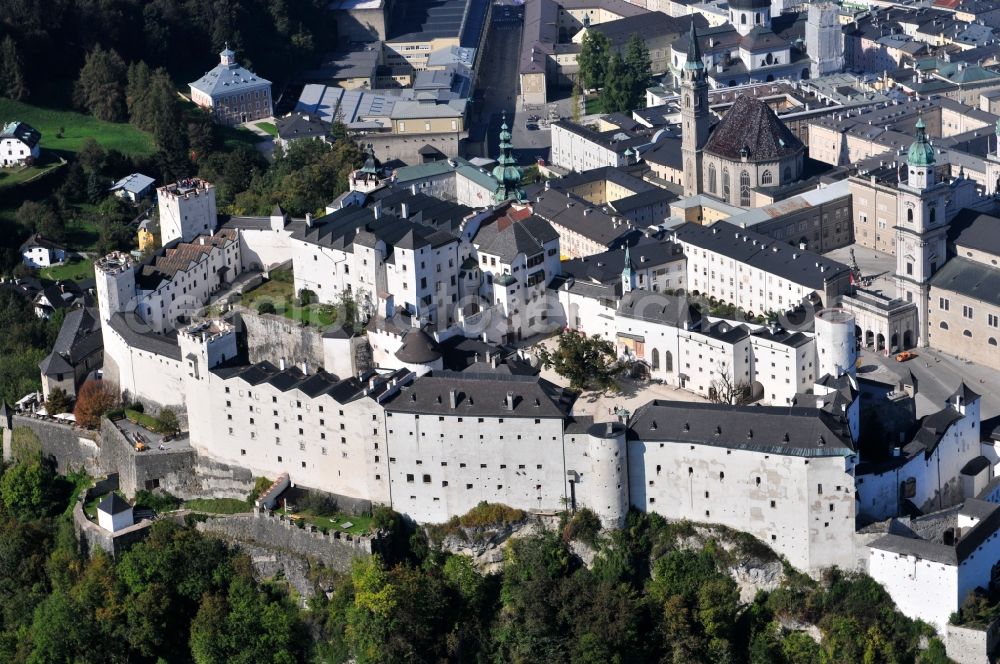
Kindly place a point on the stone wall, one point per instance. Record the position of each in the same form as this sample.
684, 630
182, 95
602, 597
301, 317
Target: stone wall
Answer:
181, 472
274, 337
336, 550
71, 446
92, 537
966, 645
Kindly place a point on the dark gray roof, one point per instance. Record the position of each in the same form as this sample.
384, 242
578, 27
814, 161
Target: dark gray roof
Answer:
23, 132
975, 466
482, 395
932, 429
576, 214
301, 125
652, 307
760, 38
506, 238
80, 334
751, 125
651, 27
113, 504
654, 196
969, 278
418, 348
312, 385
39, 240
790, 430
761, 252
606, 268
975, 230
137, 334
54, 364
666, 152
968, 541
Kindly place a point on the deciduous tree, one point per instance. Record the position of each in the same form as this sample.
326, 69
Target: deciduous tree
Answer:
96, 398
586, 361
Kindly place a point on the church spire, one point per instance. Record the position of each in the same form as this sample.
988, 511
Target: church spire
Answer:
628, 277
506, 173
694, 60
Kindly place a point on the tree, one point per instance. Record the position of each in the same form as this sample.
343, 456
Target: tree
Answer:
577, 102
639, 68
617, 90
58, 401
140, 80
167, 422
26, 487
96, 399
41, 217
12, 83
593, 59
100, 89
727, 389
585, 361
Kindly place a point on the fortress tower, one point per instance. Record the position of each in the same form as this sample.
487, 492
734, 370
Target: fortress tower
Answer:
824, 39
836, 344
115, 277
205, 345
607, 483
187, 210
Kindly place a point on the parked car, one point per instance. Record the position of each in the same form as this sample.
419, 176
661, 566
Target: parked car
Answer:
531, 126
905, 355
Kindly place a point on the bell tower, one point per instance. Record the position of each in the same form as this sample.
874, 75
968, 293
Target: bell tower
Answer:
921, 228
694, 115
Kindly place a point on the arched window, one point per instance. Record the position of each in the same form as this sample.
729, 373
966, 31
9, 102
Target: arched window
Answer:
909, 214
993, 341
769, 59
711, 178
668, 362
743, 19
758, 18
933, 215
745, 189
788, 173
687, 101
765, 177
655, 359
967, 333
725, 183
944, 325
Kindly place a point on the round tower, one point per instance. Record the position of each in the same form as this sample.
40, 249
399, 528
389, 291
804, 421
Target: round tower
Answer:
115, 277
836, 345
607, 485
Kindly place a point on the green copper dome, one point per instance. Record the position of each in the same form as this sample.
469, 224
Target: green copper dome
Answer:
921, 153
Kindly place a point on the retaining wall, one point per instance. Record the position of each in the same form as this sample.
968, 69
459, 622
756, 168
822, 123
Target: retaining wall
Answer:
968, 645
71, 446
273, 531
270, 337
92, 537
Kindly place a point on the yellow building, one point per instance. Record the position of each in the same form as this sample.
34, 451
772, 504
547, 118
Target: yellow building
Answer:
147, 236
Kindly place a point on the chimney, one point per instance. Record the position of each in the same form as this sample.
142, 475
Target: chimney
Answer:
377, 210
453, 397
611, 428
404, 210
309, 220
413, 189
495, 360
202, 238
305, 367
509, 404
281, 364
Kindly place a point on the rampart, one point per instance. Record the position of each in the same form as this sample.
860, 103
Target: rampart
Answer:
273, 531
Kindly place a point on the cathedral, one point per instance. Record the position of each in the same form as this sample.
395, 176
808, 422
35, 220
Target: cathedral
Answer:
749, 148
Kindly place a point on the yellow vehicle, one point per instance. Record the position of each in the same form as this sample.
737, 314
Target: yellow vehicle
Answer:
905, 355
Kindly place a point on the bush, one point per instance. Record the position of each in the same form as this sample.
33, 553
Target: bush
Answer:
136, 406
266, 308
319, 504
261, 485
306, 297
491, 514
167, 422
160, 501
584, 526
96, 398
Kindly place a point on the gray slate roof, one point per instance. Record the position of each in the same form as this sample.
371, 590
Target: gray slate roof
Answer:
794, 431
136, 183
651, 307
79, 336
23, 132
225, 80
935, 551
418, 348
482, 395
975, 230
796, 265
969, 278
507, 239
300, 125
606, 268
113, 504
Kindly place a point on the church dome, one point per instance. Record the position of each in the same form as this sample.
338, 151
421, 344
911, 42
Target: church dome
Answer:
921, 153
418, 348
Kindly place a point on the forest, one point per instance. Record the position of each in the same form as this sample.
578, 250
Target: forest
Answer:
648, 595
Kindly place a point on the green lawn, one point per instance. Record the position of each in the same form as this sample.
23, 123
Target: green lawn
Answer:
78, 127
218, 505
14, 176
90, 508
360, 525
142, 419
268, 127
74, 269
280, 292
592, 105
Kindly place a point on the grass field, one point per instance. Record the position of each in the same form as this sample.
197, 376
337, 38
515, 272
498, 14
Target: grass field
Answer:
218, 505
280, 291
360, 525
592, 105
142, 419
78, 127
268, 127
75, 269
14, 176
